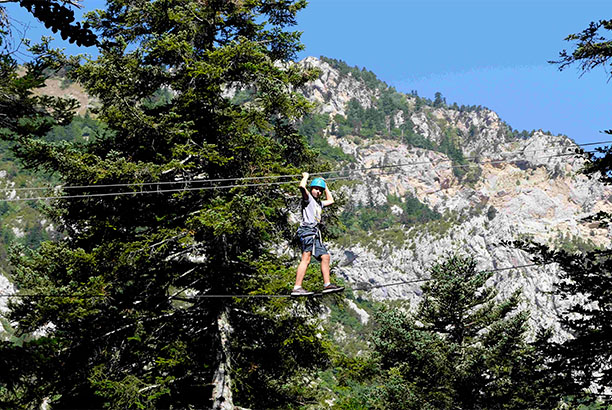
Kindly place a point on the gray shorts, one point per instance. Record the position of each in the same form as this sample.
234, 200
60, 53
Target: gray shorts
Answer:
309, 238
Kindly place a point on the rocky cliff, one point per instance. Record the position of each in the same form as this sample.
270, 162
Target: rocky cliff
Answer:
496, 186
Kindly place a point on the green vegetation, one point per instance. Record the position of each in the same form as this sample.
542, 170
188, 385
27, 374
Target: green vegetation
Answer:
24, 223
370, 122
439, 227
451, 146
81, 129
516, 134
21, 222
345, 327
366, 224
129, 275
313, 127
460, 348
572, 244
368, 77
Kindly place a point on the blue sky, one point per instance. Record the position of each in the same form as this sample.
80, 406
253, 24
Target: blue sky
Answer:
492, 53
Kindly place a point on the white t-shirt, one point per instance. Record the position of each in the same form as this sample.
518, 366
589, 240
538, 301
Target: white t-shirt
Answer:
311, 211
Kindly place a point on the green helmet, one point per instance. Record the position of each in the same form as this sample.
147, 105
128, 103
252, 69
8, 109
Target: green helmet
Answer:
318, 182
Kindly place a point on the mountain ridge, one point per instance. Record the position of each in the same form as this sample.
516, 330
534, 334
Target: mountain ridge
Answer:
514, 187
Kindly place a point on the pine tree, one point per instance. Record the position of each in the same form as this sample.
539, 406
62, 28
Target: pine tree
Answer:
124, 300
461, 348
581, 363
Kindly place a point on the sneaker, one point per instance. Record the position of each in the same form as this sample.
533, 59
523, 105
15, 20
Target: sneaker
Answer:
301, 292
331, 288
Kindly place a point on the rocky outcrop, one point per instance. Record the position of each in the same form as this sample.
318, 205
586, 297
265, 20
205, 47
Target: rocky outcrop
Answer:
333, 90
520, 187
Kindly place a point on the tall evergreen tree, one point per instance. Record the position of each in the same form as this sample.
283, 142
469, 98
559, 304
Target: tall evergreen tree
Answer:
21, 109
582, 363
461, 348
124, 300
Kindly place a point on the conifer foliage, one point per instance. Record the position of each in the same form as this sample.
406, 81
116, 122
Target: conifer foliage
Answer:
460, 349
60, 18
582, 362
122, 302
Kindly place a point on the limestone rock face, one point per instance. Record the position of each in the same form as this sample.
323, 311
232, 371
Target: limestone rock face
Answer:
522, 188
333, 90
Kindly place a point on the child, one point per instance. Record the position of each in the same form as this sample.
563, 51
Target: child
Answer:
310, 236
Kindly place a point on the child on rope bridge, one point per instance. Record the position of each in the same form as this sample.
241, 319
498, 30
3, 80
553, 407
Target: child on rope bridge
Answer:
310, 236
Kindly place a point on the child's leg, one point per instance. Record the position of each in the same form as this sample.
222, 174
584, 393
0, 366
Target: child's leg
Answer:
301, 270
325, 267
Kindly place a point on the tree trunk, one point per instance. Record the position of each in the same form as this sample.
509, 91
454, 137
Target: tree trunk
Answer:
222, 383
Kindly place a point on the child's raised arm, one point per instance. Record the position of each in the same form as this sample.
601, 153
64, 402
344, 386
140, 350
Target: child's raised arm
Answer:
329, 199
303, 183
